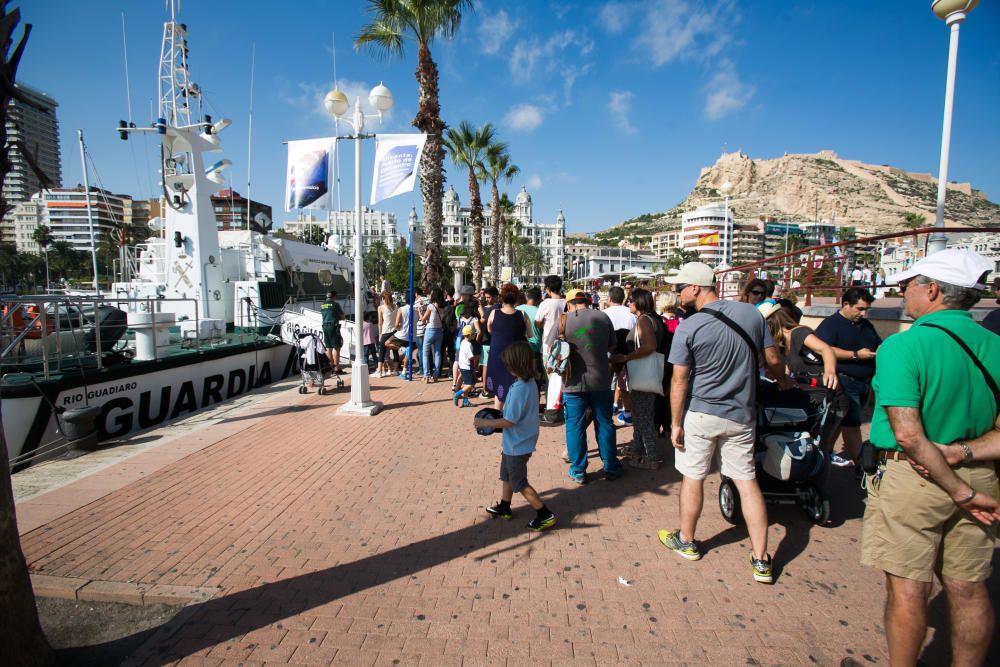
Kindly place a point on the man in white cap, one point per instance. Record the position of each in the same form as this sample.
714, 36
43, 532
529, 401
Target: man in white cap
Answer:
933, 385
712, 394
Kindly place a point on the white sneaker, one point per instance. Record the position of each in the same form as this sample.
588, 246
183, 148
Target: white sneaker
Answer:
840, 461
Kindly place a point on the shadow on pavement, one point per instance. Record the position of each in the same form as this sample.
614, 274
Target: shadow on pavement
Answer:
234, 615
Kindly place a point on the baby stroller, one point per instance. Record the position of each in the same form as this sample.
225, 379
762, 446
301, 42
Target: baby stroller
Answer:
313, 364
788, 452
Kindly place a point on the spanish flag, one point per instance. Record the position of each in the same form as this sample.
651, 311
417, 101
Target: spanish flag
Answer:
709, 239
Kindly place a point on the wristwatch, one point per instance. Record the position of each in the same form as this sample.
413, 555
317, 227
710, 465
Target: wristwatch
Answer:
855, 356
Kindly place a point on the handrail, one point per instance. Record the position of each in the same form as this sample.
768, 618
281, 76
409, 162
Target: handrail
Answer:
50, 323
792, 263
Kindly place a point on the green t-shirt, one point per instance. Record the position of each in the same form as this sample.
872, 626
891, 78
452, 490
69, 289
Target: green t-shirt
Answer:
925, 368
535, 339
331, 311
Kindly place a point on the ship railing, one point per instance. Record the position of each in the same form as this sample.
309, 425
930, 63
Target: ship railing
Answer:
821, 273
50, 330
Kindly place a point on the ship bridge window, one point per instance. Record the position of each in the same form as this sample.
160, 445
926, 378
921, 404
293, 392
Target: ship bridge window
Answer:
325, 277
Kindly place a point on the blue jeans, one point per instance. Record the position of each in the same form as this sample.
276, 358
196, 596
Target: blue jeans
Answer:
576, 405
432, 347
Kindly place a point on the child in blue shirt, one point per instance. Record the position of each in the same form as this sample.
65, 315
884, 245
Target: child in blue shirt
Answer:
520, 434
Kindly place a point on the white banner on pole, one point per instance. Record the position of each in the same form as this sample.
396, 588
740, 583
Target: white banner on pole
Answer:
307, 178
397, 157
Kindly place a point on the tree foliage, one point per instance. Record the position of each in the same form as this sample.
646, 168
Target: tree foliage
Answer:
393, 22
376, 262
467, 146
313, 234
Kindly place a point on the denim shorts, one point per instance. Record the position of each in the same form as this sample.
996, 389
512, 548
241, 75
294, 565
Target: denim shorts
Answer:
468, 377
514, 469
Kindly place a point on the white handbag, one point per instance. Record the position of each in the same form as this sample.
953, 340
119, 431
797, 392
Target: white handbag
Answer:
645, 373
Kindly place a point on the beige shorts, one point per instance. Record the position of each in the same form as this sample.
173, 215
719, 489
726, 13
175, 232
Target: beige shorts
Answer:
912, 529
703, 435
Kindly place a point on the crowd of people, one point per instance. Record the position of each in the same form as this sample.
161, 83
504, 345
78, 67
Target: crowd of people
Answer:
683, 367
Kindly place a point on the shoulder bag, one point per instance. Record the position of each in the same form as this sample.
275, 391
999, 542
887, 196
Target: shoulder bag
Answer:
645, 373
990, 382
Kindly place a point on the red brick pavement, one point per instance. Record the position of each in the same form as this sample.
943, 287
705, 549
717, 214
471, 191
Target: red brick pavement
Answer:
362, 541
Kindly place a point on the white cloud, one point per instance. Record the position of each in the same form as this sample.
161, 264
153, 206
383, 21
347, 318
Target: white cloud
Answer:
615, 16
308, 98
620, 105
524, 117
673, 29
494, 31
527, 55
570, 74
726, 92
534, 183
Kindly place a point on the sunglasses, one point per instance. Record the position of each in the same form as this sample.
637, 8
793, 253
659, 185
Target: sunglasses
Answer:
680, 287
756, 292
903, 283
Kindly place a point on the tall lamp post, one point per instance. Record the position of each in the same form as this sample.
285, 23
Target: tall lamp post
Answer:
953, 12
336, 103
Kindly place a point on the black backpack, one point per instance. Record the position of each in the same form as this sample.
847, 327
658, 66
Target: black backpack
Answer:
448, 320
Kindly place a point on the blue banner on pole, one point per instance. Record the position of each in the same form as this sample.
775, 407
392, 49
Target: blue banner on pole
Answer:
397, 158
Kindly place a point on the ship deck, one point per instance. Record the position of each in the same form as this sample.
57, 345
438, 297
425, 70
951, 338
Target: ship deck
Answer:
296, 536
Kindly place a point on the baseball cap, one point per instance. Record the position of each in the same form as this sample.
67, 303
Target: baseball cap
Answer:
693, 273
467, 290
962, 268
467, 330
489, 413
577, 294
768, 308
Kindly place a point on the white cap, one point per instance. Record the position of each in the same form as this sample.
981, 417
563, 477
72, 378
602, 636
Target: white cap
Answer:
962, 268
694, 273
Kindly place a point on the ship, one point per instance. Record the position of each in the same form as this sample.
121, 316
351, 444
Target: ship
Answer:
196, 316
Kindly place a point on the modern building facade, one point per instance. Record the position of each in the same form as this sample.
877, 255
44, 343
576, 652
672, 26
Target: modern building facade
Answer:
549, 238
65, 213
35, 130
339, 227
231, 209
663, 244
707, 231
25, 219
591, 262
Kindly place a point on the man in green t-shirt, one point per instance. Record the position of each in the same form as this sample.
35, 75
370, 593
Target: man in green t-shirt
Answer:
332, 315
928, 390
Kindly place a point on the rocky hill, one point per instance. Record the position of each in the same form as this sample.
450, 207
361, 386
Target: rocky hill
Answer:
794, 187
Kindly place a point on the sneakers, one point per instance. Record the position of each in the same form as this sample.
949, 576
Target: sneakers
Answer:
840, 461
500, 511
458, 395
465, 403
671, 539
539, 524
610, 476
580, 479
624, 418
761, 568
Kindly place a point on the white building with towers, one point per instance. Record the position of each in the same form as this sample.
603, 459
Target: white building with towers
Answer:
550, 238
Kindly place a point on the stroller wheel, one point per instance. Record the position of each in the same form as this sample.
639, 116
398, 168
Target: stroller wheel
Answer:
322, 391
818, 506
729, 502
303, 390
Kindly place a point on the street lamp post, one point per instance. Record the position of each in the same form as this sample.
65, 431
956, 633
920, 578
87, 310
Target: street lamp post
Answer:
953, 12
336, 103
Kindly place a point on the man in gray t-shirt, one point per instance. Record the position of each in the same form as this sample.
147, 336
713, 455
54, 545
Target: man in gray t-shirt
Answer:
712, 395
588, 387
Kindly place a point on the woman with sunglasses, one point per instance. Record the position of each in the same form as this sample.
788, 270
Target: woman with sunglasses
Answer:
754, 292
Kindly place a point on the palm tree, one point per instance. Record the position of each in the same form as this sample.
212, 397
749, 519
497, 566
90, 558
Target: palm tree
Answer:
376, 261
21, 634
467, 148
422, 21
43, 237
497, 166
512, 228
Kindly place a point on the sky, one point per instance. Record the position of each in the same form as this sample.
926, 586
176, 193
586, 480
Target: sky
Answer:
610, 109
